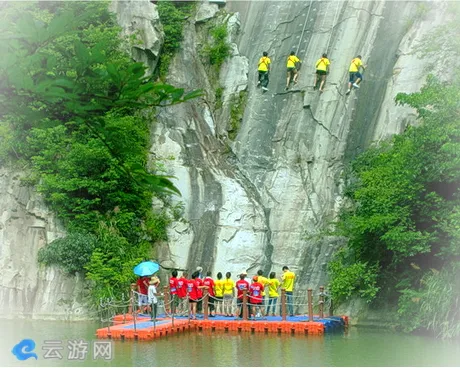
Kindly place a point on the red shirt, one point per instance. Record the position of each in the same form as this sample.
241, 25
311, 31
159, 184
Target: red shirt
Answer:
173, 285
208, 281
256, 289
199, 283
192, 289
182, 287
240, 286
142, 287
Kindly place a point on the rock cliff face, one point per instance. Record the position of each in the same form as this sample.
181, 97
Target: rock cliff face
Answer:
258, 201
26, 289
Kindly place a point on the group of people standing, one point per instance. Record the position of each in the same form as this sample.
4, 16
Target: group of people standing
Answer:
322, 66
262, 292
187, 293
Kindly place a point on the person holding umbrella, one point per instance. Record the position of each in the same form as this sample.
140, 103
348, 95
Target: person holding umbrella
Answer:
144, 270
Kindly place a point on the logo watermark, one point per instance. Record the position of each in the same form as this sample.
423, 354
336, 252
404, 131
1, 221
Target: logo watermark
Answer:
77, 349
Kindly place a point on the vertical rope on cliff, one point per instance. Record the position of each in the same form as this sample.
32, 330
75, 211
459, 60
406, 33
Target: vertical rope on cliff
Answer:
333, 25
304, 26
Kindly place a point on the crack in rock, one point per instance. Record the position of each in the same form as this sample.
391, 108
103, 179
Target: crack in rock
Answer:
292, 20
325, 128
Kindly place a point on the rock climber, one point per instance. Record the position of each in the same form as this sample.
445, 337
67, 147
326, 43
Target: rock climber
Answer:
355, 76
322, 69
293, 63
264, 70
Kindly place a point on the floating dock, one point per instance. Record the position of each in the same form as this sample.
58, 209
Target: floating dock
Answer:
144, 329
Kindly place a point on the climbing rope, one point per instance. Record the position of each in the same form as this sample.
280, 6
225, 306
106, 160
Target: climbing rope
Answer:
304, 26
333, 25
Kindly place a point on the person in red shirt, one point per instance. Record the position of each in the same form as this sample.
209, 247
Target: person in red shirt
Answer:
142, 289
209, 283
182, 292
173, 291
256, 299
192, 292
199, 305
241, 285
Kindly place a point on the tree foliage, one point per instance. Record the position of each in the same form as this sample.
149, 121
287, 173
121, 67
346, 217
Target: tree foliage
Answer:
404, 197
76, 109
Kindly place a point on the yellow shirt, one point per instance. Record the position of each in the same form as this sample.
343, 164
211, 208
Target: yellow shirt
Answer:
292, 59
229, 286
288, 280
264, 281
273, 288
355, 64
219, 287
264, 62
322, 64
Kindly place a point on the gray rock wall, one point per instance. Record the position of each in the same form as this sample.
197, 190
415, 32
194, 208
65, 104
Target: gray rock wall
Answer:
27, 289
260, 203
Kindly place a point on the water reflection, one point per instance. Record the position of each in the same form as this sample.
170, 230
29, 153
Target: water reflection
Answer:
356, 348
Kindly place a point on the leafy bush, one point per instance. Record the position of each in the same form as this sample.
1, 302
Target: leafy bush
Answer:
435, 305
71, 253
237, 106
218, 50
355, 279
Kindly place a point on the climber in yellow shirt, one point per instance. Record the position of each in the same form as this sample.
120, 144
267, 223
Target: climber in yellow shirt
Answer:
264, 70
293, 62
355, 76
322, 69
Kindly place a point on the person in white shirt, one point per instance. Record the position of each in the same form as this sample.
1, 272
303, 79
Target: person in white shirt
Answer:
152, 296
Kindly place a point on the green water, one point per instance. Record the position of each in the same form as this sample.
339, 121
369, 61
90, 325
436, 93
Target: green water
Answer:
357, 347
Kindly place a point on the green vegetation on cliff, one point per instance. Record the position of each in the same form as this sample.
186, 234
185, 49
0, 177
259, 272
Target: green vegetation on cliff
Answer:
75, 112
403, 217
173, 16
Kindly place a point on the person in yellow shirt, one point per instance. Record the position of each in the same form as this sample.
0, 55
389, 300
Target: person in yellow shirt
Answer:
273, 295
265, 282
292, 64
288, 279
228, 293
264, 71
322, 69
355, 76
219, 291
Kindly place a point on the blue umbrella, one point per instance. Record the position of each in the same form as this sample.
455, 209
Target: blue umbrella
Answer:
146, 268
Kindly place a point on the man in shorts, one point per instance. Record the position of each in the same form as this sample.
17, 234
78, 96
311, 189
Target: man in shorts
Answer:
192, 292
219, 289
255, 291
182, 292
241, 285
291, 65
209, 283
173, 292
355, 76
229, 294
142, 290
322, 69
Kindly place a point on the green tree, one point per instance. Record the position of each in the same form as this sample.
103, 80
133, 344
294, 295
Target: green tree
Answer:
402, 216
76, 109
